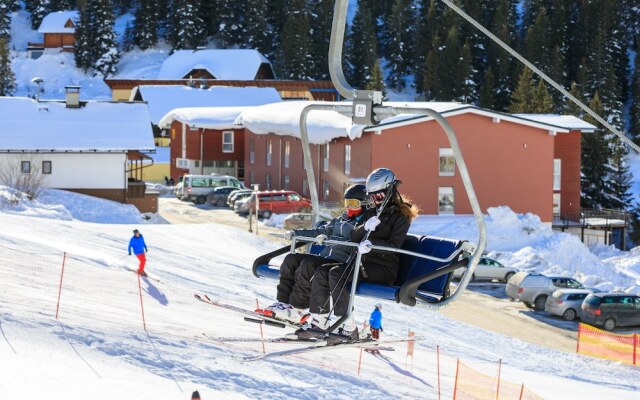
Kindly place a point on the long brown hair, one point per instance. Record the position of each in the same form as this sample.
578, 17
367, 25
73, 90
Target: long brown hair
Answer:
403, 203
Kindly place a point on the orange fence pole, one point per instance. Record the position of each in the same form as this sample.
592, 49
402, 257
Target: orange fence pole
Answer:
521, 391
261, 332
498, 388
144, 323
579, 331
64, 258
455, 383
438, 362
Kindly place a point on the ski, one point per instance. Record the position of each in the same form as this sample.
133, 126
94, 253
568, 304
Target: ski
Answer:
324, 345
250, 315
135, 271
239, 339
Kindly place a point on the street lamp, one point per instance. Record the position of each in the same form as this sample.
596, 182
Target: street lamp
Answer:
38, 82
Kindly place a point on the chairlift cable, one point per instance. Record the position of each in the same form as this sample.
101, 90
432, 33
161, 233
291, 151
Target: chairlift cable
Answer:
542, 75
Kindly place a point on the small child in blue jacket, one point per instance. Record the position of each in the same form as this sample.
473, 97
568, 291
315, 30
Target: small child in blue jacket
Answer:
375, 322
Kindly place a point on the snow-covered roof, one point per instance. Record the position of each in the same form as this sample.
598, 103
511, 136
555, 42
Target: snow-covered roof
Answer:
163, 99
224, 64
51, 126
284, 119
55, 22
204, 117
564, 121
550, 122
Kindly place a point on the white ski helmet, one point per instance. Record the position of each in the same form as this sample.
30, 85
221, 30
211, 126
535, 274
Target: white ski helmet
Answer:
379, 180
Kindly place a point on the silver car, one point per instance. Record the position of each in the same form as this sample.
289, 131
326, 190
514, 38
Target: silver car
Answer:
489, 269
567, 303
533, 289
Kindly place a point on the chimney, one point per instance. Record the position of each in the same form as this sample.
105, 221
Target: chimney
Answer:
73, 96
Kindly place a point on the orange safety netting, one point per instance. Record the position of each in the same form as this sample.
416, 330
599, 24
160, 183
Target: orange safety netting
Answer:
598, 343
473, 385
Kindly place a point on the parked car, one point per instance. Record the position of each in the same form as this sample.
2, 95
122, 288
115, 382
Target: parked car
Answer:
533, 289
610, 310
275, 202
238, 194
218, 196
197, 187
490, 269
567, 303
300, 221
242, 206
178, 189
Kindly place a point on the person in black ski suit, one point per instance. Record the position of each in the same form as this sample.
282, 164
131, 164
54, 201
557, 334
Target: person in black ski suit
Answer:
389, 229
297, 269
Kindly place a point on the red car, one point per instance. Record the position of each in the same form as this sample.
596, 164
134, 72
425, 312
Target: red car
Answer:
277, 202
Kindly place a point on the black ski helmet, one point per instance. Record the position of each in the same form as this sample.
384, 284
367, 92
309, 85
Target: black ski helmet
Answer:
358, 192
379, 180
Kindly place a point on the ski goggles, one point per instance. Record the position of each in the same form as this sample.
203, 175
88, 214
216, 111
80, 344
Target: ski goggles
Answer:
352, 203
377, 197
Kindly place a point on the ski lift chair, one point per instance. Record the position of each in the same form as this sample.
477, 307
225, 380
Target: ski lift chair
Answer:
426, 267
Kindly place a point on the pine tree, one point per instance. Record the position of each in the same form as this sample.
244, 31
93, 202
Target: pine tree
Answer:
232, 27
321, 17
376, 81
523, 93
595, 167
186, 28
361, 47
62, 5
106, 47
83, 50
128, 38
634, 113
487, 95
38, 9
259, 33
5, 19
619, 180
401, 27
295, 47
7, 77
146, 24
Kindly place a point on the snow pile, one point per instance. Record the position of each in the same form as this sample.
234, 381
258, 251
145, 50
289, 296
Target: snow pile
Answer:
68, 206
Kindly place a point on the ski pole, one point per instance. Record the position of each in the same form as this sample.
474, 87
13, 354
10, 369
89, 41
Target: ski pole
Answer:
117, 261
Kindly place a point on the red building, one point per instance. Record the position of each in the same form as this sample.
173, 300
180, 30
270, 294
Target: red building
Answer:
530, 163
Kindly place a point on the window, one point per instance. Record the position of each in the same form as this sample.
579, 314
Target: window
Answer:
445, 200
269, 151
227, 142
557, 163
46, 167
326, 190
252, 151
267, 181
25, 167
447, 162
305, 187
294, 197
285, 183
347, 159
182, 163
251, 177
287, 153
325, 157
556, 204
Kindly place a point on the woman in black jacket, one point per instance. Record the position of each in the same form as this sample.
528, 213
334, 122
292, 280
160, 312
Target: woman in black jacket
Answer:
388, 229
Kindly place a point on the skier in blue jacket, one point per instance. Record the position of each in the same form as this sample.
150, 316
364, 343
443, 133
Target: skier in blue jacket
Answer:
375, 322
139, 248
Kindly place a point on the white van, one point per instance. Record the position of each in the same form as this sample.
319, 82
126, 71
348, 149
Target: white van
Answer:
197, 187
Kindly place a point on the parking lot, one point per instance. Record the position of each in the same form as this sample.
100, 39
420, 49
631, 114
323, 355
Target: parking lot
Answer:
484, 304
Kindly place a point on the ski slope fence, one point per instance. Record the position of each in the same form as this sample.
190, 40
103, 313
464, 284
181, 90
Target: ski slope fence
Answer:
602, 344
79, 301
471, 384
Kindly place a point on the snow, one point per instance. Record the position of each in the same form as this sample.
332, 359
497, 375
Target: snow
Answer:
284, 119
100, 126
562, 121
98, 344
55, 22
224, 64
204, 117
163, 99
